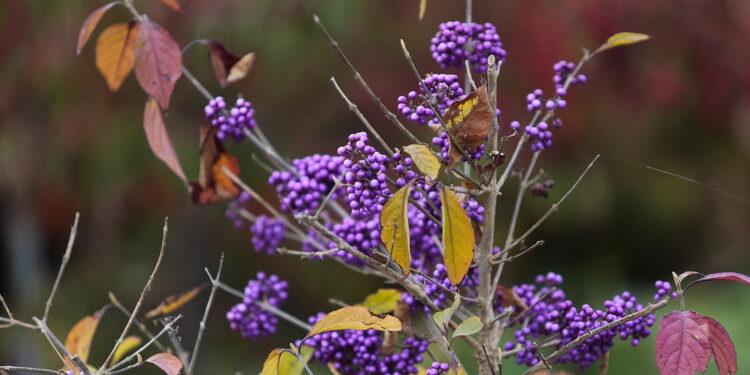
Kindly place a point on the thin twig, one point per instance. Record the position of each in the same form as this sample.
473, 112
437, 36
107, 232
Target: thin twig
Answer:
353, 107
522, 253
202, 327
43, 371
117, 304
145, 291
65, 259
67, 358
266, 306
115, 369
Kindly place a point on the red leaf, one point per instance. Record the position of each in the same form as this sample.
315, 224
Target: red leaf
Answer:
158, 137
89, 24
682, 344
722, 347
172, 4
726, 276
228, 67
170, 364
158, 61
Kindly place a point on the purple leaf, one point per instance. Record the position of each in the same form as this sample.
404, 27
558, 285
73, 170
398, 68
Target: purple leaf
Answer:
722, 347
726, 276
682, 344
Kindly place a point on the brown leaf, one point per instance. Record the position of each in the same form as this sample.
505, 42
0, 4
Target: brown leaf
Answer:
468, 120
158, 138
240, 69
158, 61
170, 364
114, 52
403, 313
78, 341
228, 67
172, 4
174, 302
213, 184
510, 297
89, 24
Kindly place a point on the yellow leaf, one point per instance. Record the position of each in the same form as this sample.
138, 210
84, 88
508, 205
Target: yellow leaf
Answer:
78, 341
424, 159
115, 56
172, 303
283, 362
383, 301
457, 371
355, 318
422, 8
623, 39
394, 224
128, 344
168, 363
458, 237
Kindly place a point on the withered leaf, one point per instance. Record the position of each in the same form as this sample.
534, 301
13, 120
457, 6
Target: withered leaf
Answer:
115, 57
213, 184
174, 302
89, 24
228, 67
355, 318
78, 341
510, 298
468, 120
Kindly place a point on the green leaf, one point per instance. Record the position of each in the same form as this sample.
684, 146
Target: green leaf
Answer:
424, 159
394, 224
622, 39
458, 237
442, 318
468, 327
383, 301
355, 318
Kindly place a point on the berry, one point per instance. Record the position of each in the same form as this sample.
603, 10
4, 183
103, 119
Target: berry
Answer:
230, 121
444, 89
248, 317
304, 191
267, 233
457, 42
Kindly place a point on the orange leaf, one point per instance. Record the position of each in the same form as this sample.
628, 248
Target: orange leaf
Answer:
225, 187
89, 24
158, 61
78, 341
158, 138
114, 52
213, 184
174, 302
170, 364
172, 4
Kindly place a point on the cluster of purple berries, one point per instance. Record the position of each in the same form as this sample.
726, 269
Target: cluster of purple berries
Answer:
444, 89
359, 352
457, 42
534, 100
438, 368
662, 289
248, 317
563, 70
230, 121
304, 191
551, 314
233, 210
267, 234
361, 234
364, 175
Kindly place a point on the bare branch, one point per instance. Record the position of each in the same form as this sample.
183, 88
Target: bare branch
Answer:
353, 107
66, 258
42, 371
114, 370
117, 304
202, 327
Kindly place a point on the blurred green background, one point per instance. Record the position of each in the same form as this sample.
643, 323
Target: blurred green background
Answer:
680, 102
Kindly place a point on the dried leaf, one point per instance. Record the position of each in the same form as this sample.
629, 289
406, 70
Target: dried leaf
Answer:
78, 341
622, 39
89, 24
723, 276
383, 301
722, 347
158, 138
388, 347
469, 120
241, 68
424, 159
442, 318
128, 344
678, 279
283, 362
354, 318
172, 4
170, 364
115, 57
213, 184
158, 61
458, 237
509, 297
174, 302
468, 327
403, 313
682, 344
394, 225
422, 8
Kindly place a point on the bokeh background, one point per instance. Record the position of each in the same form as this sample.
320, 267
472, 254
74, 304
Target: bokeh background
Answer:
680, 103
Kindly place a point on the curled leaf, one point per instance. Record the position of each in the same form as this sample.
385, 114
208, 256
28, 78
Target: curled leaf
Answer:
724, 276
158, 138
468, 327
170, 364
682, 344
213, 184
442, 318
158, 61
424, 159
458, 237
622, 39
228, 67
240, 69
468, 120
722, 347
383, 301
89, 24
78, 341
394, 224
128, 344
174, 302
284, 362
355, 318
114, 52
